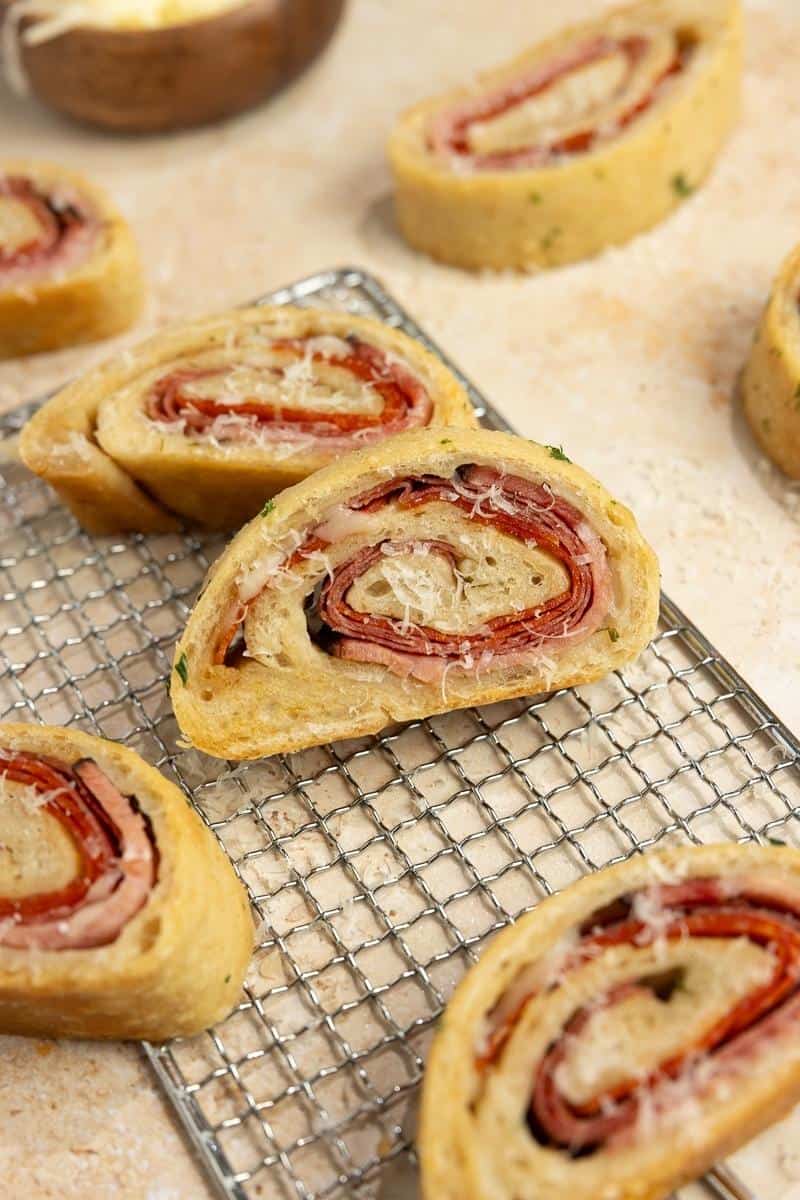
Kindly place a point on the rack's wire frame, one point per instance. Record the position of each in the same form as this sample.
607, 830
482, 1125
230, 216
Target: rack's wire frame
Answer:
708, 685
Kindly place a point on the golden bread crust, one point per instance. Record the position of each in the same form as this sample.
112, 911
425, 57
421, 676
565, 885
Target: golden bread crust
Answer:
177, 966
771, 378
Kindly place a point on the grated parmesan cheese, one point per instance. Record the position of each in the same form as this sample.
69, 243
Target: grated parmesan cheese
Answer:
656, 919
341, 522
26, 794
71, 452
54, 17
51, 18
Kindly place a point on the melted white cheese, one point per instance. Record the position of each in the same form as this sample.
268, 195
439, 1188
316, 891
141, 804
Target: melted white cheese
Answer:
342, 522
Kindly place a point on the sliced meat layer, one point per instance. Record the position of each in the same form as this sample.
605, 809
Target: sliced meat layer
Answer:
208, 401
41, 232
705, 908
118, 859
627, 90
528, 512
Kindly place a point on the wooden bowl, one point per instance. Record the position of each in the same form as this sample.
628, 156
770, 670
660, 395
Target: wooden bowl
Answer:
142, 81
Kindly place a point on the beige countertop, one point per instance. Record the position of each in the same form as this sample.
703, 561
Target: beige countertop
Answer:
628, 360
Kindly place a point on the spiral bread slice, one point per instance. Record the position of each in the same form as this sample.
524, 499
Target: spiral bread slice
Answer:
442, 569
771, 379
120, 917
69, 267
207, 420
580, 143
624, 1035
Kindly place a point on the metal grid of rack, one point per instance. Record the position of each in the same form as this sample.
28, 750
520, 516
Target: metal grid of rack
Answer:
377, 867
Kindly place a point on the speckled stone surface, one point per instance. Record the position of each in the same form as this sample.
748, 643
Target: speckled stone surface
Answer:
629, 360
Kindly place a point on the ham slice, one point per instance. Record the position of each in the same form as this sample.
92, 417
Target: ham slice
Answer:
406, 666
118, 860
406, 403
704, 908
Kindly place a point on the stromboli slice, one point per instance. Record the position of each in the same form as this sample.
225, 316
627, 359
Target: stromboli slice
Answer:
627, 1033
580, 143
207, 420
69, 268
771, 379
120, 916
441, 569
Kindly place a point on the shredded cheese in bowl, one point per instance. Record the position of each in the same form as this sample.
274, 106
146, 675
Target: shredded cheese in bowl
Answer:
54, 17
47, 19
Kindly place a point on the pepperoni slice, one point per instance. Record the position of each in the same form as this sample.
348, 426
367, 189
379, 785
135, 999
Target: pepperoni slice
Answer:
405, 402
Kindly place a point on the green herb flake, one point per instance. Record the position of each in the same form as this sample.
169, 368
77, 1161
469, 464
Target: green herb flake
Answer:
182, 669
267, 509
227, 978
549, 238
613, 634
775, 841
557, 452
535, 197
681, 185
445, 442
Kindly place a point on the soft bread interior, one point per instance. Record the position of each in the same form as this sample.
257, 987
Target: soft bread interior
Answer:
694, 987
494, 574
18, 225
36, 853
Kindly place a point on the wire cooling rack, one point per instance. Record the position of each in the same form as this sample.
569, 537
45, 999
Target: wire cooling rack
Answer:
377, 867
